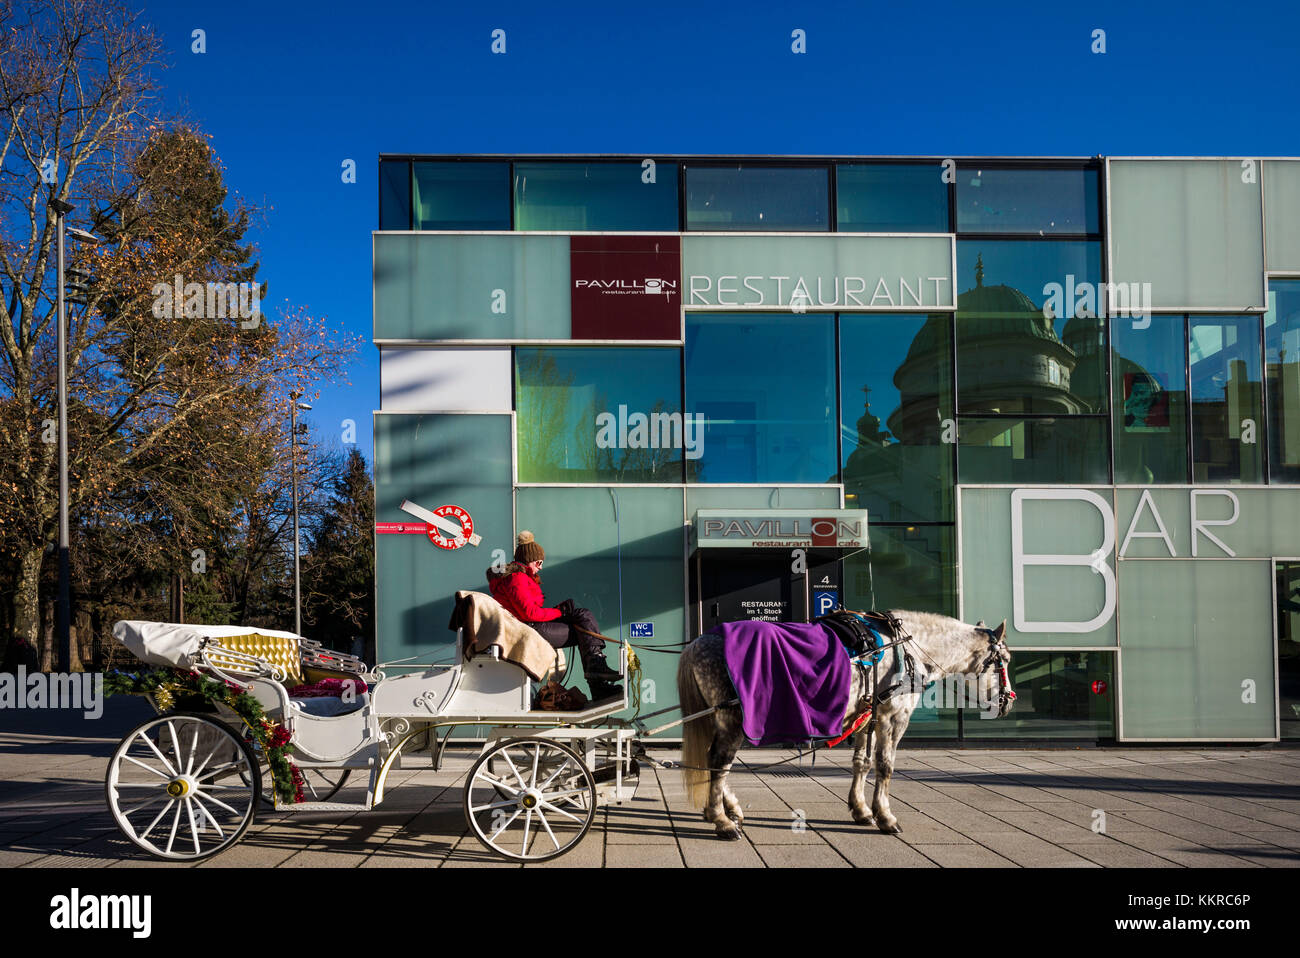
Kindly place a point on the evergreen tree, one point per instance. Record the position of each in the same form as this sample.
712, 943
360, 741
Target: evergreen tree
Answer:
338, 572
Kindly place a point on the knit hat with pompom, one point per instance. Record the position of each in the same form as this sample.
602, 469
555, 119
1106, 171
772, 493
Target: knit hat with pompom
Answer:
527, 549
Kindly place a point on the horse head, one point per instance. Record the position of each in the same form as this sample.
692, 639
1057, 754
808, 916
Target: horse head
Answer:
989, 664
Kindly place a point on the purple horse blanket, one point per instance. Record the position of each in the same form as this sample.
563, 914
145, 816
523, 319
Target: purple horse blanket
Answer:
792, 679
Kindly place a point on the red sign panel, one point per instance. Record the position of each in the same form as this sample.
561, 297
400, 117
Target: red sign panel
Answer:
626, 287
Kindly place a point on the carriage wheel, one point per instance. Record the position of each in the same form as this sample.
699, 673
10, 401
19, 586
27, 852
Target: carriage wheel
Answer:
318, 784
183, 786
538, 807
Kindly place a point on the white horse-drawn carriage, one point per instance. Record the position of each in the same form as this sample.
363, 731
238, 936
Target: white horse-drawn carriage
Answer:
187, 784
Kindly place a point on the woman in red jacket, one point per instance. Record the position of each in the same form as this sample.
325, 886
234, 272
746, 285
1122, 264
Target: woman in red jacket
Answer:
519, 589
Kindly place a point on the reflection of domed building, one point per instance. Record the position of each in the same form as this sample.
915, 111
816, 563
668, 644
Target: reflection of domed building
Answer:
1010, 360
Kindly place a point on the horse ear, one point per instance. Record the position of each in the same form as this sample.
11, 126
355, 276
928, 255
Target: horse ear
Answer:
979, 624
1001, 630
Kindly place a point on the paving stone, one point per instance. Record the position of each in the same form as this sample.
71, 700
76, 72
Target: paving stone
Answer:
963, 856
643, 856
802, 856
1029, 851
1118, 855
870, 848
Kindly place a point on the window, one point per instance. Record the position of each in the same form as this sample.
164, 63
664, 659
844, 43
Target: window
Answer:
890, 198
1149, 381
1038, 202
461, 196
1021, 348
1282, 352
1058, 695
394, 195
601, 415
745, 197
1059, 450
765, 386
896, 397
1031, 363
595, 196
1227, 409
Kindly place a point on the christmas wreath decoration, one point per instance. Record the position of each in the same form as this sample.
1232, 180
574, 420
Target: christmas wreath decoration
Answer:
168, 685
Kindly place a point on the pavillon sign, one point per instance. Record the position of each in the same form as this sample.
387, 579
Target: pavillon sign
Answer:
780, 528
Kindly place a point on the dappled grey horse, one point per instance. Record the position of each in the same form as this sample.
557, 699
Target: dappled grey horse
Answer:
938, 645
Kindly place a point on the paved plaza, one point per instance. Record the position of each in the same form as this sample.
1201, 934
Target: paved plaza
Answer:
1163, 808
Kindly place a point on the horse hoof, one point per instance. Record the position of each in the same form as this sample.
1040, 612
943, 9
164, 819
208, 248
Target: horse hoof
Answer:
731, 834
864, 819
890, 829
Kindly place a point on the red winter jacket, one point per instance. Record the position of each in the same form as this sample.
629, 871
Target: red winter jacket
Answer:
521, 594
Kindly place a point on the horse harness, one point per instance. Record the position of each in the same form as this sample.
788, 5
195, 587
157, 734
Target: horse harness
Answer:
996, 645
864, 634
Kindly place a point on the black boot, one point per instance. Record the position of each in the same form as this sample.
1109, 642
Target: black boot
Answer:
594, 666
595, 669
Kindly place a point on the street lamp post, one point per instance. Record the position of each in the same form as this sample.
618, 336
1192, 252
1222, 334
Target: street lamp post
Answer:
294, 406
63, 604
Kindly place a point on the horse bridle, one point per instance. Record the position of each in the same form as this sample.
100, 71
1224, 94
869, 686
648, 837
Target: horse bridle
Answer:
997, 645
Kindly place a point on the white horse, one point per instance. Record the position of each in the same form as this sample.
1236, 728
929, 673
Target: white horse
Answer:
938, 645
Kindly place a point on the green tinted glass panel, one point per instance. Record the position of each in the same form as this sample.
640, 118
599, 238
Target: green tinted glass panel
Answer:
907, 567
1185, 661
618, 552
895, 392
744, 197
1149, 379
1250, 522
760, 497
1282, 353
761, 426
601, 415
1028, 339
1061, 450
1058, 695
433, 460
1060, 604
508, 286
461, 196
1041, 202
394, 195
1282, 213
884, 273
1227, 399
1288, 648
890, 198
595, 196
1190, 229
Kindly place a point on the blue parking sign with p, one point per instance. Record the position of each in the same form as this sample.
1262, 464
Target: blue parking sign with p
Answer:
825, 601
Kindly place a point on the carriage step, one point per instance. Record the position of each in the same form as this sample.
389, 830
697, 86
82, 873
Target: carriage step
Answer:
327, 807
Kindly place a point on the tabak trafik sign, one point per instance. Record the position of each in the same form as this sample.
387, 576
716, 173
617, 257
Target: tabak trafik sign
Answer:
780, 528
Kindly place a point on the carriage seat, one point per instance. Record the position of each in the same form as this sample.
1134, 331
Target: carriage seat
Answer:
485, 624
314, 680
330, 697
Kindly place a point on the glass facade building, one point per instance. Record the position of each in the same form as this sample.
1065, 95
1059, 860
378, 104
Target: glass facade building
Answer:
1060, 392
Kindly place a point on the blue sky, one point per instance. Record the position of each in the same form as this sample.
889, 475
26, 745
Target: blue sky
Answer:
289, 90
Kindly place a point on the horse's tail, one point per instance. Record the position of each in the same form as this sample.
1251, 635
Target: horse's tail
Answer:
697, 736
